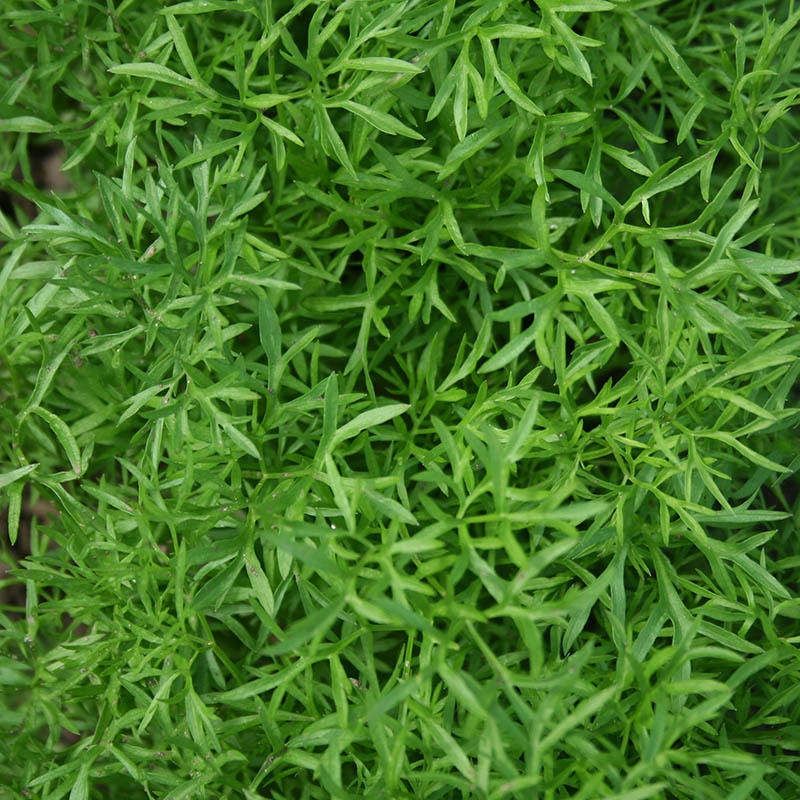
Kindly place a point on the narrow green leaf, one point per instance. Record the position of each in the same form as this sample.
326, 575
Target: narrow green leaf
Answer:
212, 593
380, 120
513, 349
768, 582
64, 435
581, 712
8, 478
382, 64
580, 5
80, 788
676, 61
511, 31
197, 7
471, 145
263, 102
461, 96
601, 318
238, 438
442, 95
663, 181
340, 495
788, 608
515, 94
206, 152
451, 751
391, 508
588, 185
368, 419
332, 142
627, 161
191, 788
158, 72
282, 131
747, 452
269, 333
577, 60
689, 119
259, 582
14, 514
184, 52
24, 125
138, 400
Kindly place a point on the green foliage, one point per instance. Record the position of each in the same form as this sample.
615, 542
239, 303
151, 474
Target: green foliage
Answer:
413, 385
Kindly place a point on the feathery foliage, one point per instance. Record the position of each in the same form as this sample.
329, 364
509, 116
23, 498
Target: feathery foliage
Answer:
414, 389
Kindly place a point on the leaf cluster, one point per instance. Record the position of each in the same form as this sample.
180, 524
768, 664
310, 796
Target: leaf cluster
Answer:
413, 389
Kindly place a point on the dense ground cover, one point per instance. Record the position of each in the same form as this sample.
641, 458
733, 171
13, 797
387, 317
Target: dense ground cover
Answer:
400, 399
